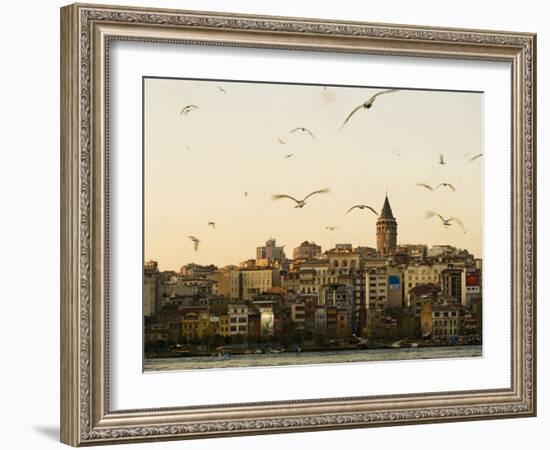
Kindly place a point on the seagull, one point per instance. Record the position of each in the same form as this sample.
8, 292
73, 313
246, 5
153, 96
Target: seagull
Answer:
196, 242
290, 155
427, 186
221, 89
299, 203
367, 104
362, 207
212, 224
441, 160
449, 185
187, 109
305, 130
245, 193
331, 228
187, 147
473, 158
281, 141
445, 222
398, 153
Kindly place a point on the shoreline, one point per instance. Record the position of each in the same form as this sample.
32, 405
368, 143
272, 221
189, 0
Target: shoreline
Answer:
183, 354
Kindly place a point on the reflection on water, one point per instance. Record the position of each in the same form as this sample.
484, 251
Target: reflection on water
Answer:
281, 359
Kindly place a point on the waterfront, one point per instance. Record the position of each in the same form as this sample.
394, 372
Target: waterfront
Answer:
283, 359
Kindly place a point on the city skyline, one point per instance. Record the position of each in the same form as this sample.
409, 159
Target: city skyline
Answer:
194, 176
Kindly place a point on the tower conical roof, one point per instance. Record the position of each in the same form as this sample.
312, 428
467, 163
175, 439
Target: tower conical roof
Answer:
386, 212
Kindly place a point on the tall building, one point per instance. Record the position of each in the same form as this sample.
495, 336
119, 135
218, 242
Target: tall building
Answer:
270, 251
386, 231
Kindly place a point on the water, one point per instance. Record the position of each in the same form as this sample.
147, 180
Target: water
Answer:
282, 359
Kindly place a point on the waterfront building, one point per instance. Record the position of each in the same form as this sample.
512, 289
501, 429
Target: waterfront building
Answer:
238, 319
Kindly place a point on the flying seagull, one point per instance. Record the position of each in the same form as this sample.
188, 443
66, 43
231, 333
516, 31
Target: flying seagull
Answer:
445, 222
441, 160
366, 105
473, 158
362, 207
427, 186
221, 89
212, 224
187, 147
449, 185
331, 228
245, 193
303, 129
299, 203
290, 155
187, 109
196, 242
281, 141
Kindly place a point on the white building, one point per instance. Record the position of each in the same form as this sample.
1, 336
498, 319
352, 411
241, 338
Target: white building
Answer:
238, 319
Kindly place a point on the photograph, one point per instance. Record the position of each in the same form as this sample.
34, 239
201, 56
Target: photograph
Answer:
291, 224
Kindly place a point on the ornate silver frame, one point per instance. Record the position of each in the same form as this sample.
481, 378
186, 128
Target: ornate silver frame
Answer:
86, 31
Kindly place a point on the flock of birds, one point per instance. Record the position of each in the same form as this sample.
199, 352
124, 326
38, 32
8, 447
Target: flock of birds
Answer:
300, 203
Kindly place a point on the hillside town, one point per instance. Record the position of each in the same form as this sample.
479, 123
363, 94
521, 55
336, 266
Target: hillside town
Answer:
343, 298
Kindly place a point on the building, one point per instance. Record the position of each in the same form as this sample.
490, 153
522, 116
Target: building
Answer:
436, 251
320, 319
246, 283
417, 252
298, 315
386, 231
151, 289
307, 250
376, 293
453, 283
313, 275
444, 323
193, 270
421, 274
238, 319
271, 252
267, 320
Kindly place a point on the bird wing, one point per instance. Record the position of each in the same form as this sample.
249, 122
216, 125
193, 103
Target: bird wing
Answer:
309, 132
355, 206
446, 184
279, 196
320, 191
475, 157
351, 114
372, 209
188, 108
427, 186
430, 214
387, 91
442, 219
221, 89
457, 220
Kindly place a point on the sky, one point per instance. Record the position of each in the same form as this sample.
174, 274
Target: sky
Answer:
197, 167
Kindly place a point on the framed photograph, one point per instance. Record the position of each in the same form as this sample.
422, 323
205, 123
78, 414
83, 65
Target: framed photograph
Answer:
274, 224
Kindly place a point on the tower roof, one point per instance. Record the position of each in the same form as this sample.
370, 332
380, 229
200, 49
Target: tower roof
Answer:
386, 212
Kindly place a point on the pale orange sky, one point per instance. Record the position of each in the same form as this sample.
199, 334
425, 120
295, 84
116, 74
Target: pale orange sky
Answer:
233, 148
